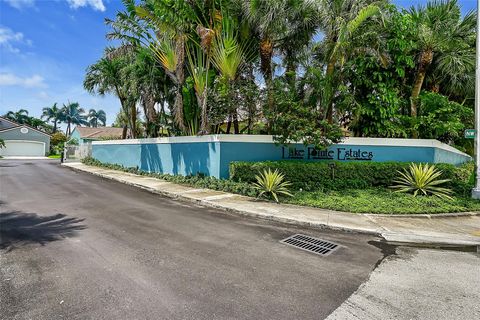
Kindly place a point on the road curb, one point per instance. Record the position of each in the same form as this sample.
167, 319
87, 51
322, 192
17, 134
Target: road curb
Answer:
407, 238
213, 205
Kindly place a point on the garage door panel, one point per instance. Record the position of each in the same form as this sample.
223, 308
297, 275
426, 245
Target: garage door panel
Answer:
23, 148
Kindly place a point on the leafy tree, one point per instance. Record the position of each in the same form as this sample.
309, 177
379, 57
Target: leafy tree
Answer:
297, 120
442, 119
375, 95
341, 22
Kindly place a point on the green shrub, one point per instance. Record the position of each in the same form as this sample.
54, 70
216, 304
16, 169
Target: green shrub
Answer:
422, 179
197, 181
314, 176
272, 184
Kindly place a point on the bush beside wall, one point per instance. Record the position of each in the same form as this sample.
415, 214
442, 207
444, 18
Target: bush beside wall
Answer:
197, 181
313, 176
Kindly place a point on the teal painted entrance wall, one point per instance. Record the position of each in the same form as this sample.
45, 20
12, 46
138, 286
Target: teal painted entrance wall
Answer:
211, 155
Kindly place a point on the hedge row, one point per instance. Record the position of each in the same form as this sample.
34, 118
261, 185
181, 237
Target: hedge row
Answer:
197, 181
323, 176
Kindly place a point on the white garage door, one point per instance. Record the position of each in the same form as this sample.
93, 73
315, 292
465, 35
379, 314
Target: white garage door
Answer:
23, 148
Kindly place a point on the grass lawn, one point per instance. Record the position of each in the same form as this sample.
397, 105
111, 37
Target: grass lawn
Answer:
54, 156
381, 201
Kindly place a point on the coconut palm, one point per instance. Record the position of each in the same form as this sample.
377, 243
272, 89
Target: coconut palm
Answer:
95, 116
73, 115
53, 114
442, 33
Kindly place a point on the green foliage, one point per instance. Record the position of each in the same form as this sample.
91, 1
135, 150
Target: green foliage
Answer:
312, 176
2, 143
197, 181
72, 142
57, 141
21, 116
442, 119
382, 201
272, 184
296, 120
423, 179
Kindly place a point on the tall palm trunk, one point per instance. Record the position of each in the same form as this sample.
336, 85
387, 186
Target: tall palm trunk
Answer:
180, 78
266, 53
426, 58
133, 121
329, 88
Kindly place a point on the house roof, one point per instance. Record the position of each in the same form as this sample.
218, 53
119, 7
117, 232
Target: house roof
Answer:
19, 125
100, 132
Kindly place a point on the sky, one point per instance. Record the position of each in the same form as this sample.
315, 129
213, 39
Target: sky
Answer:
46, 46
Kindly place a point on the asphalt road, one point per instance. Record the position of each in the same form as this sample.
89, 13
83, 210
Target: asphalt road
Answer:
75, 246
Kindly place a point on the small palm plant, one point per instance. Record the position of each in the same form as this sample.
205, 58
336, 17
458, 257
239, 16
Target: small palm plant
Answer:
272, 184
423, 179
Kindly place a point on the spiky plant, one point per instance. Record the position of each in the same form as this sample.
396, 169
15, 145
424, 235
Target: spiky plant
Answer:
272, 184
423, 179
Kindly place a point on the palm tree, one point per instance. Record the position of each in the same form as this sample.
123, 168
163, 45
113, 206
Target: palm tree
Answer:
268, 19
94, 116
21, 116
73, 115
441, 33
107, 76
53, 114
341, 21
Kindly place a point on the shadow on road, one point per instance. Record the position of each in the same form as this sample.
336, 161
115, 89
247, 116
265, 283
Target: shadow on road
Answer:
18, 228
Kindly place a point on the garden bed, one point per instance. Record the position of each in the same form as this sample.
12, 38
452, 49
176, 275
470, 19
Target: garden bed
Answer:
379, 200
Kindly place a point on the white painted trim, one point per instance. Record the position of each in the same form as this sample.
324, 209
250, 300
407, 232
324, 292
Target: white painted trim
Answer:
391, 142
28, 141
25, 126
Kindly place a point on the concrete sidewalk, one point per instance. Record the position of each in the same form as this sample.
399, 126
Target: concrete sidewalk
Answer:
438, 230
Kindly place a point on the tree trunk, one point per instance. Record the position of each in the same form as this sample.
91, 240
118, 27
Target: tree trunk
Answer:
180, 77
290, 68
124, 132
266, 53
54, 126
133, 115
229, 124
426, 58
236, 127
329, 89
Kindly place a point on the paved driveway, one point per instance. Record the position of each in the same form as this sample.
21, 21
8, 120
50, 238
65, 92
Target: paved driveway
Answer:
75, 246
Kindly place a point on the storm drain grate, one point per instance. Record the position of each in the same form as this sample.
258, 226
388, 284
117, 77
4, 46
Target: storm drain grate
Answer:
310, 244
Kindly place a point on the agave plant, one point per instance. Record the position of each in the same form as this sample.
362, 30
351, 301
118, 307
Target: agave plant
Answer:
272, 184
423, 179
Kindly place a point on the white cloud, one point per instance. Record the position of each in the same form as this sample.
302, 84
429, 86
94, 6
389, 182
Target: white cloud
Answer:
95, 4
10, 38
43, 95
10, 79
20, 4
